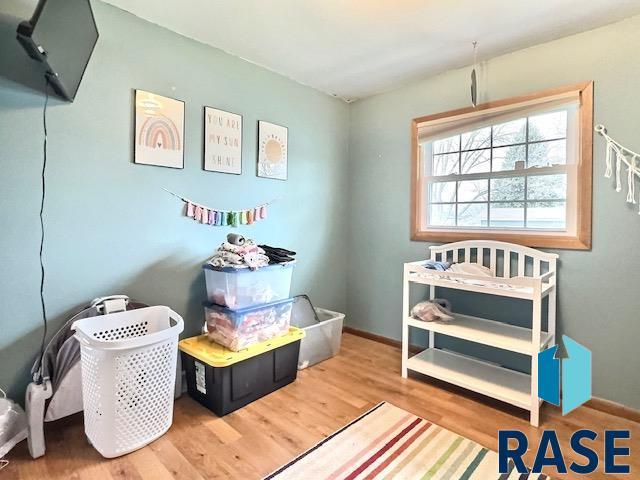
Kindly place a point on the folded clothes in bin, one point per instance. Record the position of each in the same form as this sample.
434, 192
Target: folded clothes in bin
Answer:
241, 288
237, 329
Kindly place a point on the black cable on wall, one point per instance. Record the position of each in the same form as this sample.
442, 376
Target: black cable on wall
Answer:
42, 199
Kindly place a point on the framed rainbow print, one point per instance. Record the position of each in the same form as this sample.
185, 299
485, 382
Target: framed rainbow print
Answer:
272, 151
159, 130
222, 141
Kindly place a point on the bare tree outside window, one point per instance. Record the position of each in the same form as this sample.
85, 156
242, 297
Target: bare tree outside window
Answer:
518, 198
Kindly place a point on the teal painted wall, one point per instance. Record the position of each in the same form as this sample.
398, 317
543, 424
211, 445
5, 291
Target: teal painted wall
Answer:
598, 301
110, 226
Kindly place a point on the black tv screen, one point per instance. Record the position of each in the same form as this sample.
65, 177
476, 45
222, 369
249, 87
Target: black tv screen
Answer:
62, 35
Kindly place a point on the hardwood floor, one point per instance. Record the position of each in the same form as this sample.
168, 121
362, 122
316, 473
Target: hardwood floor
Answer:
255, 440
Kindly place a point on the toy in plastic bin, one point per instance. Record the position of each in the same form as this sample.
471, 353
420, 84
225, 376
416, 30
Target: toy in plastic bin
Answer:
237, 329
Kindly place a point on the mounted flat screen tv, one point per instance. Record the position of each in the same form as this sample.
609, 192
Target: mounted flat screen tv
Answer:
61, 34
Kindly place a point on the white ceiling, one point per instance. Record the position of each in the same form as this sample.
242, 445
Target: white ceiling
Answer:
356, 48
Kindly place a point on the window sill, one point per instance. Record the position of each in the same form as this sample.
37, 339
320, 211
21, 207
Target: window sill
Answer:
565, 242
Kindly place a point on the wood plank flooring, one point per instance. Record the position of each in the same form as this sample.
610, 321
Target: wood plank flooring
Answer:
255, 440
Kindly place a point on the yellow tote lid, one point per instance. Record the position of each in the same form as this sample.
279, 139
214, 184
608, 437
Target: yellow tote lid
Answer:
216, 355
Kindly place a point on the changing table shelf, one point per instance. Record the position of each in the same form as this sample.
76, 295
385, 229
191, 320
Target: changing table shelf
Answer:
516, 272
488, 332
482, 377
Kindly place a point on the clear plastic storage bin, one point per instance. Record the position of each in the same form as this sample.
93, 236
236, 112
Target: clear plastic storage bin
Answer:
237, 329
323, 331
241, 288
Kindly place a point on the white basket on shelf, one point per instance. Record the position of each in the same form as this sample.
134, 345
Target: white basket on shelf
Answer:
128, 377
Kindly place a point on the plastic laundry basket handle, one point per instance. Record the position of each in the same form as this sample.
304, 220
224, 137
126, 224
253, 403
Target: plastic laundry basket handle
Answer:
99, 300
132, 342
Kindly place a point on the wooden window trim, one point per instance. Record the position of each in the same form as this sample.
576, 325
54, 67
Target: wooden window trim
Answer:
580, 241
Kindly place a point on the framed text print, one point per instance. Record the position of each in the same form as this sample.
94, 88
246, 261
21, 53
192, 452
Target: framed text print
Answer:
222, 141
272, 151
159, 132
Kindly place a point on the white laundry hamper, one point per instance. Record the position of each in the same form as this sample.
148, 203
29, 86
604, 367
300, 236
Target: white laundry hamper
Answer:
128, 377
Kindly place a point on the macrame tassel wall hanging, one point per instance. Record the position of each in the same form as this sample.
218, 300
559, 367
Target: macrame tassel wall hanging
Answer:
623, 156
222, 218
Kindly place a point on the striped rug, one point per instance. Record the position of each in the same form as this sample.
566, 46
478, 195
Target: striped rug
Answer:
389, 443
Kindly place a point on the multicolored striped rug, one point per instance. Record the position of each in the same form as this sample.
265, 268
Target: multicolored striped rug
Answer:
388, 443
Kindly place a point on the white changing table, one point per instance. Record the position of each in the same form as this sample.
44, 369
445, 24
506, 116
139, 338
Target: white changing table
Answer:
533, 279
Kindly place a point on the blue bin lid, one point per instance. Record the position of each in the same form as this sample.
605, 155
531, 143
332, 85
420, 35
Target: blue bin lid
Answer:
208, 266
242, 311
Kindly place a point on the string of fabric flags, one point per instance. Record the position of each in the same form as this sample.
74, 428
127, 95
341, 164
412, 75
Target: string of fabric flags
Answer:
223, 218
623, 156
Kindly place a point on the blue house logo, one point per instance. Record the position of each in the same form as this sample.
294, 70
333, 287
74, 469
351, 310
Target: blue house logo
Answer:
565, 367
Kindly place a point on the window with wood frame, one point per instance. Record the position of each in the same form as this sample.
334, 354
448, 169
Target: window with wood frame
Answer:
517, 170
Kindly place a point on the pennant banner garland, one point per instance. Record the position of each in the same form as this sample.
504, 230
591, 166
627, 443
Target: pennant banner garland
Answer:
222, 218
622, 156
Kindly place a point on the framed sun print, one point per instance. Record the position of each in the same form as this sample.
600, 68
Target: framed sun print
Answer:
222, 141
159, 130
272, 151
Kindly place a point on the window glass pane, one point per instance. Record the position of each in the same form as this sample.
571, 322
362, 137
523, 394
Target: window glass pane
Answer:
472, 214
445, 164
545, 154
442, 192
477, 139
510, 132
550, 215
520, 147
507, 215
504, 158
476, 161
507, 189
548, 126
446, 145
543, 187
441, 215
473, 190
